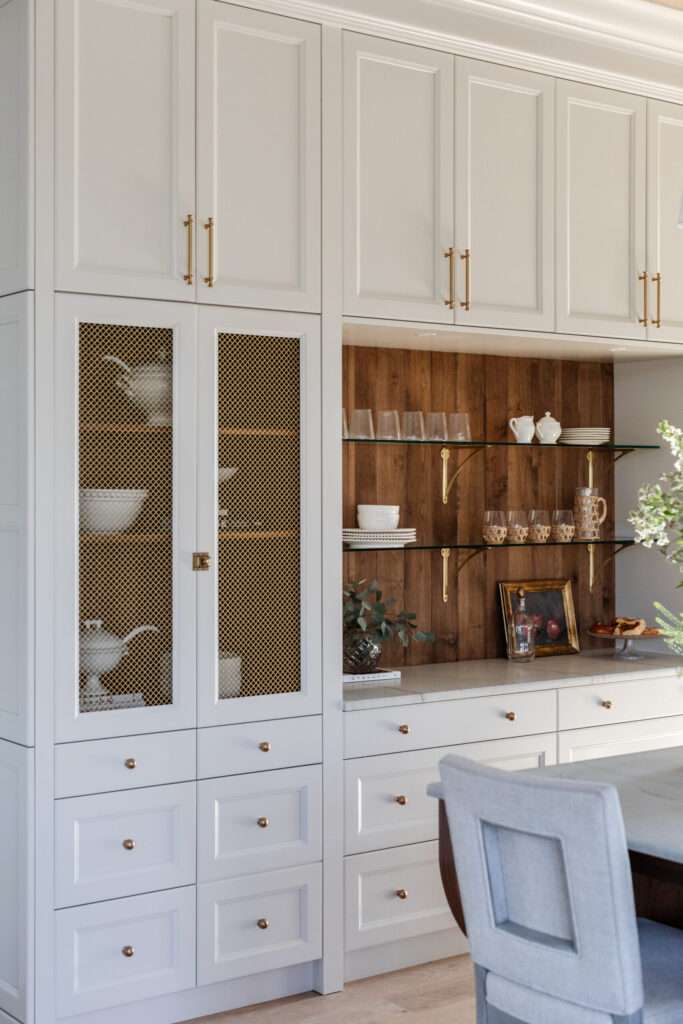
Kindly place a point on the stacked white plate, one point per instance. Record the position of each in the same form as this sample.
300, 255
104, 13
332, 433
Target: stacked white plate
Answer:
361, 540
586, 435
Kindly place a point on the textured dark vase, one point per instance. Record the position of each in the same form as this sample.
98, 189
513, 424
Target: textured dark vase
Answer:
361, 652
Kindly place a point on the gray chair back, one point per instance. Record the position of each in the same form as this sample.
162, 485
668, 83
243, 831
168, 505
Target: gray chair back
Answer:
545, 883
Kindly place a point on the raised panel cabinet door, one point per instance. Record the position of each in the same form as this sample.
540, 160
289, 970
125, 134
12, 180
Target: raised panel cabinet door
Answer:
601, 158
664, 234
398, 180
258, 159
125, 147
16, 165
625, 738
504, 196
125, 517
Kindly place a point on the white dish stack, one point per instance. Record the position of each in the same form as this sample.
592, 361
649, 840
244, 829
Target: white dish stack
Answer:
586, 435
378, 528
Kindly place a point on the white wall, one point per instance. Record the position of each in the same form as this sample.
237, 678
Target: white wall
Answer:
645, 393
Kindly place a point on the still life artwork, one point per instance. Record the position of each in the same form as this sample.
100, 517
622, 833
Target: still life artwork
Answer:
550, 604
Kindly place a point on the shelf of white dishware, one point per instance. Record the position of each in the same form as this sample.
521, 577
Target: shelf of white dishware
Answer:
503, 444
482, 546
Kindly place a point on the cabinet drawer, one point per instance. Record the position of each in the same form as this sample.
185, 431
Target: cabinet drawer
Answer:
259, 822
375, 884
125, 763
386, 797
119, 844
259, 923
259, 746
416, 726
624, 738
94, 972
604, 703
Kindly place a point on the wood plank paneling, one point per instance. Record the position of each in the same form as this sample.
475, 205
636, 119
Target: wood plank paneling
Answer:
491, 389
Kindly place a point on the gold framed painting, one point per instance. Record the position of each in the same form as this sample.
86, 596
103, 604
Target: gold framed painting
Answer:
550, 604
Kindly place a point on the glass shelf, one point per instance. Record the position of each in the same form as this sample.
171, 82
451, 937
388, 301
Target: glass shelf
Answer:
481, 546
507, 444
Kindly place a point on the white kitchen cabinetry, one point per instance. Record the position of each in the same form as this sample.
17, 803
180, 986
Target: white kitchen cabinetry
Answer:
664, 236
125, 145
258, 159
504, 197
398, 179
16, 151
601, 175
626, 738
16, 881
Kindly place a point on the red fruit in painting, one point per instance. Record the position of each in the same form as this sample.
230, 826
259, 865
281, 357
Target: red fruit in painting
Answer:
553, 629
538, 620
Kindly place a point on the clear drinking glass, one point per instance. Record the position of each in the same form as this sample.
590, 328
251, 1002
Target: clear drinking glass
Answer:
518, 527
435, 426
539, 526
562, 529
345, 424
494, 530
362, 426
388, 427
412, 426
458, 426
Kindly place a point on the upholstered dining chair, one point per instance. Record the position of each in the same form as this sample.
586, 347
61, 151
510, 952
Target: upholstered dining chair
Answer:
545, 883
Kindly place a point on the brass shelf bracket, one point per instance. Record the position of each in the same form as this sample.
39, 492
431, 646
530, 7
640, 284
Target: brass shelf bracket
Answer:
446, 483
445, 558
592, 574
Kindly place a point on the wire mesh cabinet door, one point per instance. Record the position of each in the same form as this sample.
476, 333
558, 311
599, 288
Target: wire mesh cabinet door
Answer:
259, 512
125, 517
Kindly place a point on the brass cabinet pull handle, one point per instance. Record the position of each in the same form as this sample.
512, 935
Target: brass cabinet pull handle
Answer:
467, 257
657, 278
404, 729
188, 224
128, 844
265, 747
128, 951
450, 256
130, 763
402, 800
511, 716
201, 561
263, 923
643, 277
209, 226
607, 704
262, 822
402, 894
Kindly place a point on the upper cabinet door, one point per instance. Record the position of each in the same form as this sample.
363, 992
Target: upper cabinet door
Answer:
504, 197
258, 145
664, 236
398, 180
16, 174
125, 146
601, 212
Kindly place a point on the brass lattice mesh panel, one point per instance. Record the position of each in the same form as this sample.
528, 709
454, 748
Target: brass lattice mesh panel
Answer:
126, 514
259, 563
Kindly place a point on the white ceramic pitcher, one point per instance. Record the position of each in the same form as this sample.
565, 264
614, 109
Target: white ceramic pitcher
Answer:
523, 427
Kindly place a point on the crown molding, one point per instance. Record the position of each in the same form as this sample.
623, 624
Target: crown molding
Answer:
651, 32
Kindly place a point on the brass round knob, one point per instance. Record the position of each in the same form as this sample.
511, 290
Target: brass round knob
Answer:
262, 822
131, 763
511, 716
402, 800
128, 951
606, 704
263, 923
404, 729
128, 844
265, 747
402, 894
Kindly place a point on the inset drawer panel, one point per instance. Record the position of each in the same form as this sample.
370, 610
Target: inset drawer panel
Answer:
627, 701
120, 844
386, 797
394, 894
444, 723
113, 953
259, 746
258, 923
259, 822
128, 762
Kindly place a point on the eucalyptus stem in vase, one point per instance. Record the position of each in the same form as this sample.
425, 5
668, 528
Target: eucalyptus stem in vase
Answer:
369, 620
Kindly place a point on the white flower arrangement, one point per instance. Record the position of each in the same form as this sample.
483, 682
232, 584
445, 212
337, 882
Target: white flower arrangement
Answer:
658, 523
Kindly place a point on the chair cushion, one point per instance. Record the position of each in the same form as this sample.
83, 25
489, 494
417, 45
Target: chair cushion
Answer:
661, 954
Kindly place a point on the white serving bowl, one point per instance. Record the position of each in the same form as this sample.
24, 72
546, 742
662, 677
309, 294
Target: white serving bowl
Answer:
226, 473
378, 517
109, 510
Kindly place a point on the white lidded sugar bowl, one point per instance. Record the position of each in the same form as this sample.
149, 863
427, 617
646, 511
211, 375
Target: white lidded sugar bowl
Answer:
548, 429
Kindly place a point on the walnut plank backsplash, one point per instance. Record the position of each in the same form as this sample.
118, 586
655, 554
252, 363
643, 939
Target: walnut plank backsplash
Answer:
491, 389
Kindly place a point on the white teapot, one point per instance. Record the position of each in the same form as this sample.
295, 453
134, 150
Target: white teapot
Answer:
523, 428
548, 429
148, 386
101, 652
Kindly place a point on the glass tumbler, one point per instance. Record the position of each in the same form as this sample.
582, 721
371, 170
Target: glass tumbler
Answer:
458, 426
494, 530
518, 527
361, 425
388, 428
412, 426
435, 426
562, 529
539, 526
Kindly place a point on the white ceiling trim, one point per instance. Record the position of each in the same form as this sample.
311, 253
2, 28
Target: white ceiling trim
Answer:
634, 27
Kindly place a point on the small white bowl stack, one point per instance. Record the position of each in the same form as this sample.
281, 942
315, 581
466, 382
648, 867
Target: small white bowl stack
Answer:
110, 509
586, 435
378, 528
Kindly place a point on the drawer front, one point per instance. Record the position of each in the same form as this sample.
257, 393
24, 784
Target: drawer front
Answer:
119, 844
625, 738
94, 972
259, 746
605, 703
386, 797
259, 923
259, 822
444, 723
393, 895
100, 766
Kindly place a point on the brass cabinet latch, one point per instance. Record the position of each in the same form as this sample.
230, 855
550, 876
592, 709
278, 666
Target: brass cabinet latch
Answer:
201, 561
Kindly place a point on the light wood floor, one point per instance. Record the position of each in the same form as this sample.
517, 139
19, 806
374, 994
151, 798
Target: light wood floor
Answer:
438, 993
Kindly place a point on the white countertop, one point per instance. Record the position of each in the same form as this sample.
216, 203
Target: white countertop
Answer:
459, 679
